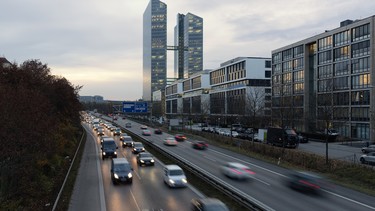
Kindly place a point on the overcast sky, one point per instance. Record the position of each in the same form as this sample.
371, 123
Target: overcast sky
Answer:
98, 43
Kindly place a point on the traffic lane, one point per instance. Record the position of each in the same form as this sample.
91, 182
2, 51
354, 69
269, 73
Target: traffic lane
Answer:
347, 199
86, 192
148, 190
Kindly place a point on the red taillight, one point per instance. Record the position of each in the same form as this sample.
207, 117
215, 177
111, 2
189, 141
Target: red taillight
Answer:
248, 171
236, 171
309, 184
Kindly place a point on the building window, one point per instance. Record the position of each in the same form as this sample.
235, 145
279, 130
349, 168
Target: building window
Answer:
298, 88
298, 51
298, 76
341, 68
361, 131
298, 63
341, 38
341, 53
324, 57
267, 91
287, 54
267, 74
276, 57
361, 32
325, 71
361, 65
325, 85
361, 81
186, 85
268, 64
287, 78
360, 114
361, 49
341, 98
341, 83
276, 69
360, 97
287, 66
325, 43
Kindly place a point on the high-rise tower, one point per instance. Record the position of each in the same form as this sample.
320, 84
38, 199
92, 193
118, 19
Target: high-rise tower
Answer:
154, 48
188, 33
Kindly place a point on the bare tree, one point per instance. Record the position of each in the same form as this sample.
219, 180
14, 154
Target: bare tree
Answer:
255, 105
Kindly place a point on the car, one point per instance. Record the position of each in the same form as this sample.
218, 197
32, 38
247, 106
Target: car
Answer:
128, 125
208, 204
199, 145
238, 171
117, 132
174, 176
122, 135
170, 141
146, 132
100, 132
368, 158
102, 138
112, 128
144, 127
145, 158
180, 137
121, 171
127, 141
138, 147
302, 139
158, 131
370, 148
305, 182
109, 148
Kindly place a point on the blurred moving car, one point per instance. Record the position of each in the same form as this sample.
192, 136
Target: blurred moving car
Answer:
138, 147
370, 148
305, 182
174, 176
127, 141
208, 204
170, 141
199, 145
158, 131
128, 125
121, 171
302, 139
180, 137
143, 127
237, 171
146, 132
145, 158
368, 158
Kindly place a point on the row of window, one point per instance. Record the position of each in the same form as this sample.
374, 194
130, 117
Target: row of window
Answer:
342, 83
342, 68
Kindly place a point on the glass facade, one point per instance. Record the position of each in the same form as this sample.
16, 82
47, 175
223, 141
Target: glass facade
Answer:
154, 48
334, 74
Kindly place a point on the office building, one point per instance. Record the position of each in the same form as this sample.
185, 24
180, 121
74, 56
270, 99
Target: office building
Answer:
189, 44
327, 80
154, 48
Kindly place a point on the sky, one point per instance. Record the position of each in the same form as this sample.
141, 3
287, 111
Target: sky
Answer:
98, 44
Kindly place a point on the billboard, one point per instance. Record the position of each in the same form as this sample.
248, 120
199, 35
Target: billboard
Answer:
134, 107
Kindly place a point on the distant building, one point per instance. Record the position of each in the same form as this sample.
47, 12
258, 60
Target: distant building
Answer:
154, 48
330, 75
91, 99
188, 33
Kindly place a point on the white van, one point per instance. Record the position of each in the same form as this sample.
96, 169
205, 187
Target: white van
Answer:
174, 176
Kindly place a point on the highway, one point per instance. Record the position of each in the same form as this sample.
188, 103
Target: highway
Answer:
94, 189
268, 188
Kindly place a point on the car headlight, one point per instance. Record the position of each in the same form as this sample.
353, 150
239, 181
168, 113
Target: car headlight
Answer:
142, 161
143, 148
184, 180
116, 176
152, 160
130, 175
115, 153
103, 153
171, 181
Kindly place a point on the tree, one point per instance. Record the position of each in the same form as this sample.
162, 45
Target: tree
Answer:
255, 105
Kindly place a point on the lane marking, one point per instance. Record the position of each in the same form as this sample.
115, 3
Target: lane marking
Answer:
351, 200
131, 192
201, 195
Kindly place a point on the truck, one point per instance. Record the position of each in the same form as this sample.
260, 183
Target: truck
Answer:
282, 137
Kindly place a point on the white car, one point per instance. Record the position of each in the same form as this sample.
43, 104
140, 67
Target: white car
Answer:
237, 171
369, 158
170, 141
174, 176
368, 149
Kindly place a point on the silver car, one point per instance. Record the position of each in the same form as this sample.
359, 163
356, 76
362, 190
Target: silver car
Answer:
369, 158
368, 149
237, 171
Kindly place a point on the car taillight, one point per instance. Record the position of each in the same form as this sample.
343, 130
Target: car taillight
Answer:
309, 184
236, 171
248, 171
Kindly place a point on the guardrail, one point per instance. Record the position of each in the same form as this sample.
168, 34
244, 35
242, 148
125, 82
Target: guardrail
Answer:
237, 195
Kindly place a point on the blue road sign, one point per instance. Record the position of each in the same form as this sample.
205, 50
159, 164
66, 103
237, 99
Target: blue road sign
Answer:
134, 107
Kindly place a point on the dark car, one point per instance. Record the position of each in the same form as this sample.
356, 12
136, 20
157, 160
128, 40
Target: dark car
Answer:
127, 141
138, 147
158, 131
145, 158
121, 171
199, 145
305, 182
302, 139
109, 148
208, 204
180, 137
117, 132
